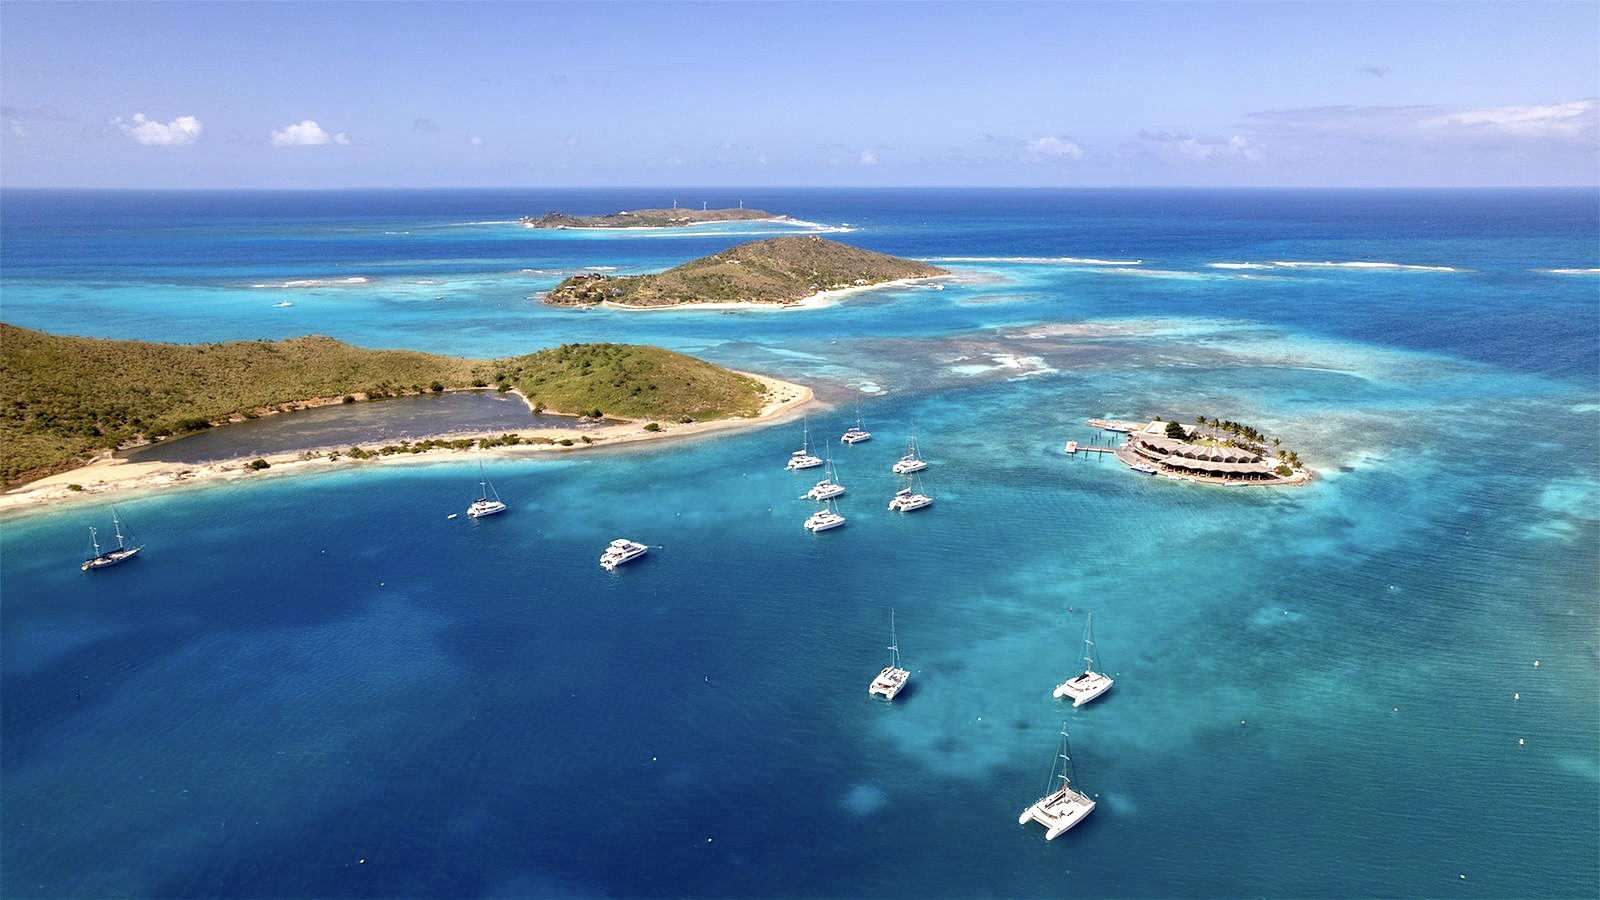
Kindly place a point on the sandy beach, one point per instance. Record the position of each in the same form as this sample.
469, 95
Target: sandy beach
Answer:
108, 474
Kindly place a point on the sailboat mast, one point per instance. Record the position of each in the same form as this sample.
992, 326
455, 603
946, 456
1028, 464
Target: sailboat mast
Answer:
894, 641
94, 540
1088, 644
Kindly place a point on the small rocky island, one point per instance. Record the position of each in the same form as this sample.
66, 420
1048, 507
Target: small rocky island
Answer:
781, 271
649, 218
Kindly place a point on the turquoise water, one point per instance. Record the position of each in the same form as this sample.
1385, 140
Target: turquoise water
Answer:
320, 685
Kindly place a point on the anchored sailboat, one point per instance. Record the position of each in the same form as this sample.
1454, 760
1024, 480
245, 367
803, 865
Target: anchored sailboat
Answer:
126, 547
856, 434
802, 458
910, 497
1091, 684
824, 518
911, 462
893, 678
829, 486
488, 502
1064, 808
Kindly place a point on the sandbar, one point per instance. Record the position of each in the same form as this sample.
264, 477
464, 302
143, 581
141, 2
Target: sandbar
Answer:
108, 474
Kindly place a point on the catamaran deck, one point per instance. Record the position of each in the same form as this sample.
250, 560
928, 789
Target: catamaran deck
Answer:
1058, 812
1083, 688
889, 682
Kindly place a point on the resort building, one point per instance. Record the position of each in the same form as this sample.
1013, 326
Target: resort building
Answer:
1151, 447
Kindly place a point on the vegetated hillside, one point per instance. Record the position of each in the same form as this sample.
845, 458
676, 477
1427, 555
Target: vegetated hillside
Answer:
647, 218
775, 270
64, 398
634, 382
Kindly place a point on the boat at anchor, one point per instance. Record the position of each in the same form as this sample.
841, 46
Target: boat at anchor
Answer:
488, 502
802, 458
892, 679
126, 549
1092, 683
620, 551
1060, 810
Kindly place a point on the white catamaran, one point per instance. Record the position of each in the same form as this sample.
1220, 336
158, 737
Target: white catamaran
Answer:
856, 434
910, 497
1092, 683
1064, 808
824, 518
127, 547
893, 678
911, 462
488, 502
620, 551
802, 458
829, 487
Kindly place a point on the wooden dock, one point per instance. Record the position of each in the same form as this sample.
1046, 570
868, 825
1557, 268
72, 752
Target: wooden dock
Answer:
1075, 447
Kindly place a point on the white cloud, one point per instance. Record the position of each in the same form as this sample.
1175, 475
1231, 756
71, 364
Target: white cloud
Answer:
182, 130
1051, 147
1551, 120
1575, 122
306, 134
476, 141
868, 158
1206, 149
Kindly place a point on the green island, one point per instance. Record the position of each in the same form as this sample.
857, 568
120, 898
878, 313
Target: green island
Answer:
648, 218
781, 271
64, 399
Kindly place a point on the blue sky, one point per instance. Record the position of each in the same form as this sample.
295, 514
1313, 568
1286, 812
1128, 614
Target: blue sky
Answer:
374, 94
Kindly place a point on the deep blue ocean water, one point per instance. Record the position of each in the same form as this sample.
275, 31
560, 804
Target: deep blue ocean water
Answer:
319, 685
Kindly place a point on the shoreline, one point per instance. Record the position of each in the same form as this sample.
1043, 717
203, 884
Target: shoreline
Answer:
111, 475
818, 300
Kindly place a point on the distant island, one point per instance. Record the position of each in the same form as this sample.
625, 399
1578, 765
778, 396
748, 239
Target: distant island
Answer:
64, 399
780, 271
649, 218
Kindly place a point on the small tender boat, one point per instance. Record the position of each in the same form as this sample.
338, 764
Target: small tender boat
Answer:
1144, 469
802, 458
823, 519
127, 548
621, 550
892, 679
488, 502
1091, 684
1064, 808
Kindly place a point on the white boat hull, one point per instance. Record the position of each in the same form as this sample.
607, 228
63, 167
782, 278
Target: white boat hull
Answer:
825, 491
823, 523
907, 466
1083, 688
907, 504
1058, 813
889, 682
621, 551
483, 508
803, 462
